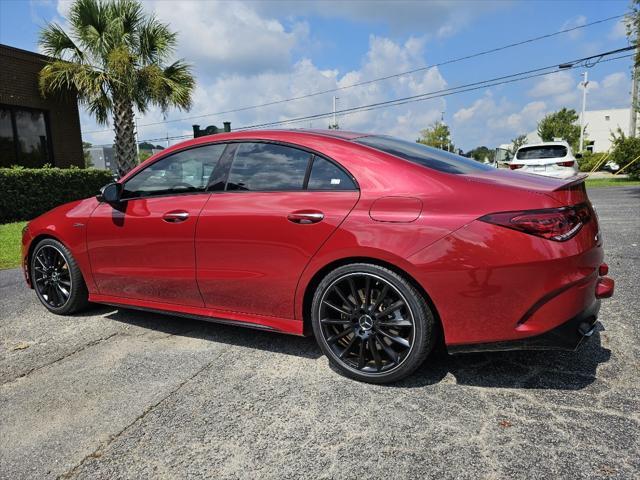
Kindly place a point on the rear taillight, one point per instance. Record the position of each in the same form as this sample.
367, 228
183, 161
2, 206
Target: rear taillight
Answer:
565, 164
513, 166
557, 224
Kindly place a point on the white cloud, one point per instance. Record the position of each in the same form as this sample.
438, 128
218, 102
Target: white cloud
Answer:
576, 21
232, 90
558, 83
618, 31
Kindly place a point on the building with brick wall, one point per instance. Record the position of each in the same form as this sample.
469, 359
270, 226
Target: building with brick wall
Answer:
33, 130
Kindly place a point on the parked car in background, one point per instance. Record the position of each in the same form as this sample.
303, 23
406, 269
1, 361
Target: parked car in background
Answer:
379, 247
551, 159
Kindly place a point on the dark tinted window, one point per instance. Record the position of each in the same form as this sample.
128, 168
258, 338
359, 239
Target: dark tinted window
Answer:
265, 166
327, 176
423, 155
28, 144
547, 151
182, 172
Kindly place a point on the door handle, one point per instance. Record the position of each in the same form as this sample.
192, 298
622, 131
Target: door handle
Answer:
305, 217
176, 216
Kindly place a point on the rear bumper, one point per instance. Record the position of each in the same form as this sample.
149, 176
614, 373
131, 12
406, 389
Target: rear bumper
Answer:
566, 336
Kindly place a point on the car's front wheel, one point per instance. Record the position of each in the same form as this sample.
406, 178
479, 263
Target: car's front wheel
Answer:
372, 323
56, 278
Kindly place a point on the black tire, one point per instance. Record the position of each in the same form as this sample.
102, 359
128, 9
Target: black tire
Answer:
53, 271
391, 327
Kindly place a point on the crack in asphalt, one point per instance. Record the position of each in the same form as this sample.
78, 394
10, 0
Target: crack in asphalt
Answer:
74, 352
98, 452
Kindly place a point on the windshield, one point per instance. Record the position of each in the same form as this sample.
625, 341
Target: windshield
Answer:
547, 151
423, 155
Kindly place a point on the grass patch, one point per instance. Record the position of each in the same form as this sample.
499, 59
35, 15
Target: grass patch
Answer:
10, 244
611, 182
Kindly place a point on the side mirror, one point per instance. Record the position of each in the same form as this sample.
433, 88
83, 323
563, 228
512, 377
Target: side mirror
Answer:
110, 193
578, 156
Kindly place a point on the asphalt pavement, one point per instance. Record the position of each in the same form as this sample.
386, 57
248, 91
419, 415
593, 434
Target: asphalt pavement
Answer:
115, 393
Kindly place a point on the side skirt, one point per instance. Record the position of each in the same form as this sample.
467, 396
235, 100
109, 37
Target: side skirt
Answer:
275, 324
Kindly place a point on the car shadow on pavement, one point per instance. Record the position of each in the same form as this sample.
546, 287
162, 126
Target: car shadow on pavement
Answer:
216, 332
556, 370
517, 369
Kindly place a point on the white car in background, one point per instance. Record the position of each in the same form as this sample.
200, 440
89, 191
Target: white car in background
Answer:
552, 159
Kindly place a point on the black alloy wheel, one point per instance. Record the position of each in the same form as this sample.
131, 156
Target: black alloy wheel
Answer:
372, 323
56, 278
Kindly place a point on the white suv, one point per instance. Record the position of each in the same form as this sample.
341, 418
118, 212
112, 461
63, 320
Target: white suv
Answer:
552, 159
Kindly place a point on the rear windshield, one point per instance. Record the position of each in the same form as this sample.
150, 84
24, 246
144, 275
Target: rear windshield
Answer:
548, 151
422, 155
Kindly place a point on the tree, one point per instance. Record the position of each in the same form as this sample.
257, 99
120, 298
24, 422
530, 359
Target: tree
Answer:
437, 135
88, 161
481, 153
626, 153
517, 142
561, 124
115, 58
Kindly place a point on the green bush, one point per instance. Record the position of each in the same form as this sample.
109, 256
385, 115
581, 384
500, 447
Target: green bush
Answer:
25, 193
590, 160
626, 150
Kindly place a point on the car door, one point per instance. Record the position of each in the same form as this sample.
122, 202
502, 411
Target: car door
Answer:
143, 247
254, 239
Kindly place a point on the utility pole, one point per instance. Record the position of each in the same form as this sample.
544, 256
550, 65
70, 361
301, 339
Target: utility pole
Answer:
334, 124
584, 84
634, 97
135, 119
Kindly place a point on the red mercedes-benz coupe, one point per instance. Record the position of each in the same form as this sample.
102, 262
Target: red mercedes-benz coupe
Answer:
377, 246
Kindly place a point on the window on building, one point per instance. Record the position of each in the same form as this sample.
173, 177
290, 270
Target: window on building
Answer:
607, 117
23, 137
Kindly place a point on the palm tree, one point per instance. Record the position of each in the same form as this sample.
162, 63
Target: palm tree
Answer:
115, 58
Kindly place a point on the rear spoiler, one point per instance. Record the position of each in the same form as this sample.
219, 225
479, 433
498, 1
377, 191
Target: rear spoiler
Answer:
572, 182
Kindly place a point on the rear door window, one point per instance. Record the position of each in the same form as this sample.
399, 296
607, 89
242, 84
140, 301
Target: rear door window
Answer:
268, 167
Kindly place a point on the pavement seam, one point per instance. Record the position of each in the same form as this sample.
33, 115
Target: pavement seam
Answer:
78, 350
97, 453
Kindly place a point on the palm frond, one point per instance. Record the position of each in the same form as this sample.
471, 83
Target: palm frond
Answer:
156, 41
169, 87
55, 42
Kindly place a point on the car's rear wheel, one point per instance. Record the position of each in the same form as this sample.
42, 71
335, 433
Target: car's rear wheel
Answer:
57, 279
372, 323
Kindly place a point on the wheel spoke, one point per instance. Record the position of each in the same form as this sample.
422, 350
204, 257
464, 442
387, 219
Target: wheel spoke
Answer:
348, 347
65, 292
361, 360
381, 297
344, 299
367, 291
390, 309
338, 336
338, 309
335, 321
376, 354
394, 338
388, 350
354, 292
396, 323
41, 262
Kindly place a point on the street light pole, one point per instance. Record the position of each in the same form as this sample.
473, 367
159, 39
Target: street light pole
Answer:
585, 82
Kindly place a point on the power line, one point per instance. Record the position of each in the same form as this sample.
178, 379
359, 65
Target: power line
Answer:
387, 77
506, 79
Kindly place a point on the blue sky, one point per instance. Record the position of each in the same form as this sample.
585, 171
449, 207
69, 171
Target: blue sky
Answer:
247, 53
